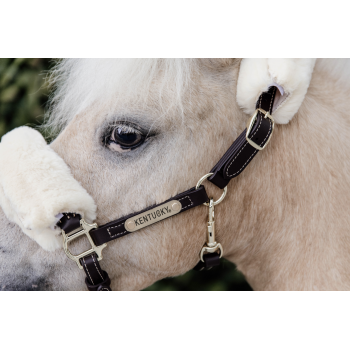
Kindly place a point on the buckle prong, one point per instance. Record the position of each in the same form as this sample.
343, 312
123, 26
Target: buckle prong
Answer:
84, 230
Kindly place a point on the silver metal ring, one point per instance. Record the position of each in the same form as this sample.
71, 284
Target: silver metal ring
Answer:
223, 194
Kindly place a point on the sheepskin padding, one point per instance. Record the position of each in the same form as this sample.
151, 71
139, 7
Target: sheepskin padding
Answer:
258, 74
36, 185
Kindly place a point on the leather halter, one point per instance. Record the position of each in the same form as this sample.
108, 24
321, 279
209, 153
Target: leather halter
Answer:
235, 160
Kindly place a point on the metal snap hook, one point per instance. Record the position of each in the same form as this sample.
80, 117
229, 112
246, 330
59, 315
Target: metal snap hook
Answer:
211, 245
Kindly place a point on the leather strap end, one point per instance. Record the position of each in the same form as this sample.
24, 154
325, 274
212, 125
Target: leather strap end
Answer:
96, 278
69, 222
104, 286
210, 260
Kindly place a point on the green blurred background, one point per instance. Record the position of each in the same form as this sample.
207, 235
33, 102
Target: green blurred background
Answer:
23, 95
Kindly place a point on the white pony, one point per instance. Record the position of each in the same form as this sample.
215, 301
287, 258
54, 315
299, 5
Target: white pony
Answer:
284, 222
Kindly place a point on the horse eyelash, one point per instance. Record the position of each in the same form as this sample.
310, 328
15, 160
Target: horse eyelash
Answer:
122, 127
125, 128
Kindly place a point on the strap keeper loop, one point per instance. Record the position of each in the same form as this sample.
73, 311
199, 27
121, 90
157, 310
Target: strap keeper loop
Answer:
250, 125
105, 285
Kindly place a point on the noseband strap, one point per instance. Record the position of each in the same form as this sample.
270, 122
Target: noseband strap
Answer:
235, 160
96, 278
116, 229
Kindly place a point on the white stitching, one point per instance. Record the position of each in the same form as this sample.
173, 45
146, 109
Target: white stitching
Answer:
117, 234
186, 205
88, 271
272, 98
241, 151
249, 157
96, 267
243, 164
227, 174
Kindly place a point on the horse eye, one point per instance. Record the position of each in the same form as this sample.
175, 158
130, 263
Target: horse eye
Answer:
125, 137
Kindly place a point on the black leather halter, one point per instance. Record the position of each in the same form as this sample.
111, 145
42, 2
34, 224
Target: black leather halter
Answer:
234, 161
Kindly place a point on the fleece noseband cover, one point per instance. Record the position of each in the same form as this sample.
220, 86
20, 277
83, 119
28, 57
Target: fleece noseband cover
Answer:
36, 186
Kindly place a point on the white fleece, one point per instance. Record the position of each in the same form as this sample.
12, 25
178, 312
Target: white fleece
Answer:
36, 185
258, 74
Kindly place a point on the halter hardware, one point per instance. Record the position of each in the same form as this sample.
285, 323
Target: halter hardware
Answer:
233, 162
251, 123
211, 245
223, 194
84, 229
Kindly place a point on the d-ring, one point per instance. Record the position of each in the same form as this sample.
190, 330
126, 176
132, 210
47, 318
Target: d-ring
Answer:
223, 194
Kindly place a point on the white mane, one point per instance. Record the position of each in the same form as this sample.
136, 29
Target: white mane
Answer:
80, 83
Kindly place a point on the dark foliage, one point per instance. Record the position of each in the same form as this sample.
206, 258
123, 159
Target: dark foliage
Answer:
224, 277
22, 92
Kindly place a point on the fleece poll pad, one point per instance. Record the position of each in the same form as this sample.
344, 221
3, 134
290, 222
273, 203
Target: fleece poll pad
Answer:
292, 76
36, 186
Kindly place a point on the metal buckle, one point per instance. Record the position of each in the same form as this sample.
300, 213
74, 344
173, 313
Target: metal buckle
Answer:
211, 245
250, 126
84, 230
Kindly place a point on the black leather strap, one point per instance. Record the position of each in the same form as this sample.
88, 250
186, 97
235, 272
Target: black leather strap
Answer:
210, 260
240, 154
69, 222
116, 229
96, 278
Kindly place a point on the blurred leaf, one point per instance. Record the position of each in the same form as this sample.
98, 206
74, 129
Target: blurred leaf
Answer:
18, 61
9, 94
3, 64
223, 277
23, 93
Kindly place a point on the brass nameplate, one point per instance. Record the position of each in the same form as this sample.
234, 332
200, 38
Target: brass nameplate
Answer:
152, 216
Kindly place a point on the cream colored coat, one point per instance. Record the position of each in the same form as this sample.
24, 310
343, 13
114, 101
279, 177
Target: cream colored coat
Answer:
284, 222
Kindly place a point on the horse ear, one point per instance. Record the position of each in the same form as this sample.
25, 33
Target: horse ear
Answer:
292, 77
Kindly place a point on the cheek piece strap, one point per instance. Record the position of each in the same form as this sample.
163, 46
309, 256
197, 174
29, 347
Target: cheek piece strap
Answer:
252, 140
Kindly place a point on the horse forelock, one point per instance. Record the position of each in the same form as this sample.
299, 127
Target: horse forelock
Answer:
77, 84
